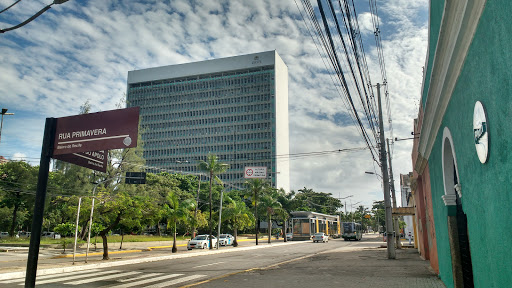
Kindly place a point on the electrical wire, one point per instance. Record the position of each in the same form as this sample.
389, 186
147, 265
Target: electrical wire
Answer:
10, 6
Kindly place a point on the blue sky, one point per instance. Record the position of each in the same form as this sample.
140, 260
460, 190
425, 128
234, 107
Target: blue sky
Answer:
83, 50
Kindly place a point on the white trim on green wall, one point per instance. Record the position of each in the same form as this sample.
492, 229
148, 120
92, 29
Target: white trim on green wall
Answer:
460, 20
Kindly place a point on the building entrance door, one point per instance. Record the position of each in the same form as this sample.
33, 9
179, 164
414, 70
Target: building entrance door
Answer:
465, 252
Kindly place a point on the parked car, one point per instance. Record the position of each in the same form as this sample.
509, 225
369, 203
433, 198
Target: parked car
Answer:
23, 234
201, 242
4, 235
226, 239
52, 235
289, 236
317, 237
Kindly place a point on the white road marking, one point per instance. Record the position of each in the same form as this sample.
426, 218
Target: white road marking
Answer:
173, 282
207, 265
71, 277
140, 283
140, 277
49, 276
94, 279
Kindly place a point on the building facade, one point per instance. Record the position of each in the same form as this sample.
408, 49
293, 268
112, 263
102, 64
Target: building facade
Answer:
407, 199
235, 108
462, 160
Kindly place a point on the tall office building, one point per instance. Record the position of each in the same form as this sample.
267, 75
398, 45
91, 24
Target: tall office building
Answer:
235, 108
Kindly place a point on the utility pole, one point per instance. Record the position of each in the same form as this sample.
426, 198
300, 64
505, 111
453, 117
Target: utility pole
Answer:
385, 179
395, 220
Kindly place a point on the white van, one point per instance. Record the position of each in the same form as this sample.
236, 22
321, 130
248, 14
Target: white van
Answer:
51, 235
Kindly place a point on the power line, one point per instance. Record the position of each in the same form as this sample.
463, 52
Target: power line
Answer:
10, 6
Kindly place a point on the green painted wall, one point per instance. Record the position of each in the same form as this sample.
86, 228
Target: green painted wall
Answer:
436, 15
486, 188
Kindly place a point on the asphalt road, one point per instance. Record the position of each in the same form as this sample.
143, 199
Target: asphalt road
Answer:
201, 269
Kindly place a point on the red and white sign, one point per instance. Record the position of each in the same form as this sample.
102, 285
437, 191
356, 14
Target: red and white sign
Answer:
255, 172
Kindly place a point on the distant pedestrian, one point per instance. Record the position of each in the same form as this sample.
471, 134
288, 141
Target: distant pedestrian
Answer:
410, 237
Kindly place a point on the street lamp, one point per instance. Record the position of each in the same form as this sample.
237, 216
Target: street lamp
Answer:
372, 173
4, 112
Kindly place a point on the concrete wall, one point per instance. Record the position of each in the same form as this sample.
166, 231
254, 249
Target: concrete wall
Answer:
282, 131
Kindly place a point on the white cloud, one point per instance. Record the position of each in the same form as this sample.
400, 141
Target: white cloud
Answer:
82, 50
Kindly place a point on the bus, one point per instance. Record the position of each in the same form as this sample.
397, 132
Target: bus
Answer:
306, 223
352, 230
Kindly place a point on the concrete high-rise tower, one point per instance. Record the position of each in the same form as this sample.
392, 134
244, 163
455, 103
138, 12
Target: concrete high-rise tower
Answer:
235, 108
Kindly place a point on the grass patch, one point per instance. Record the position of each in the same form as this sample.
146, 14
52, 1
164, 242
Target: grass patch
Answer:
111, 238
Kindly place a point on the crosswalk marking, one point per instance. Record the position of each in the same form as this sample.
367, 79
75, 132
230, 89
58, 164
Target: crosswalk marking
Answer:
142, 282
140, 277
48, 276
72, 277
176, 281
208, 265
102, 278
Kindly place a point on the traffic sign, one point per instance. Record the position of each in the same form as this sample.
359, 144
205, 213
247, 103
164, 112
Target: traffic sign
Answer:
96, 160
367, 216
135, 178
107, 130
255, 172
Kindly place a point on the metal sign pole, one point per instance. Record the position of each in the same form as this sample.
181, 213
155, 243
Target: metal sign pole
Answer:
76, 228
37, 220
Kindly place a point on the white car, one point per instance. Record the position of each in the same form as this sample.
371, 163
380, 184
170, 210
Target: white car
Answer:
226, 239
4, 235
51, 235
201, 242
317, 237
289, 236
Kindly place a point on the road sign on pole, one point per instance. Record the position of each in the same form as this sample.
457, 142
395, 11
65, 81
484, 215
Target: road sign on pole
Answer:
107, 130
135, 178
255, 172
77, 135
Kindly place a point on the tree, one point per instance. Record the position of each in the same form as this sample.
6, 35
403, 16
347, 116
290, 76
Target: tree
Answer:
284, 213
17, 178
214, 168
269, 205
176, 211
309, 200
255, 187
239, 215
379, 215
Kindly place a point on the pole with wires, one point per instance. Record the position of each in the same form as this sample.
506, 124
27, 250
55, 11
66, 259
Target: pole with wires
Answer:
385, 179
392, 184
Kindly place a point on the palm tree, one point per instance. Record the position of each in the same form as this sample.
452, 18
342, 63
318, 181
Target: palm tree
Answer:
239, 215
255, 187
176, 211
270, 204
213, 167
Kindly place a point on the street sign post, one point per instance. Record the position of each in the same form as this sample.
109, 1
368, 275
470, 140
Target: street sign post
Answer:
77, 135
255, 172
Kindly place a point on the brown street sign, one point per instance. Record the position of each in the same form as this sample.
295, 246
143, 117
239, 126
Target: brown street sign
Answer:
96, 160
107, 130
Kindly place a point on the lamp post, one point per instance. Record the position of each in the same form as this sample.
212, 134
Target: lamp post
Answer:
4, 112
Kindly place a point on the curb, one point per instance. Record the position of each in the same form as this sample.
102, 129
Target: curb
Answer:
49, 271
125, 251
